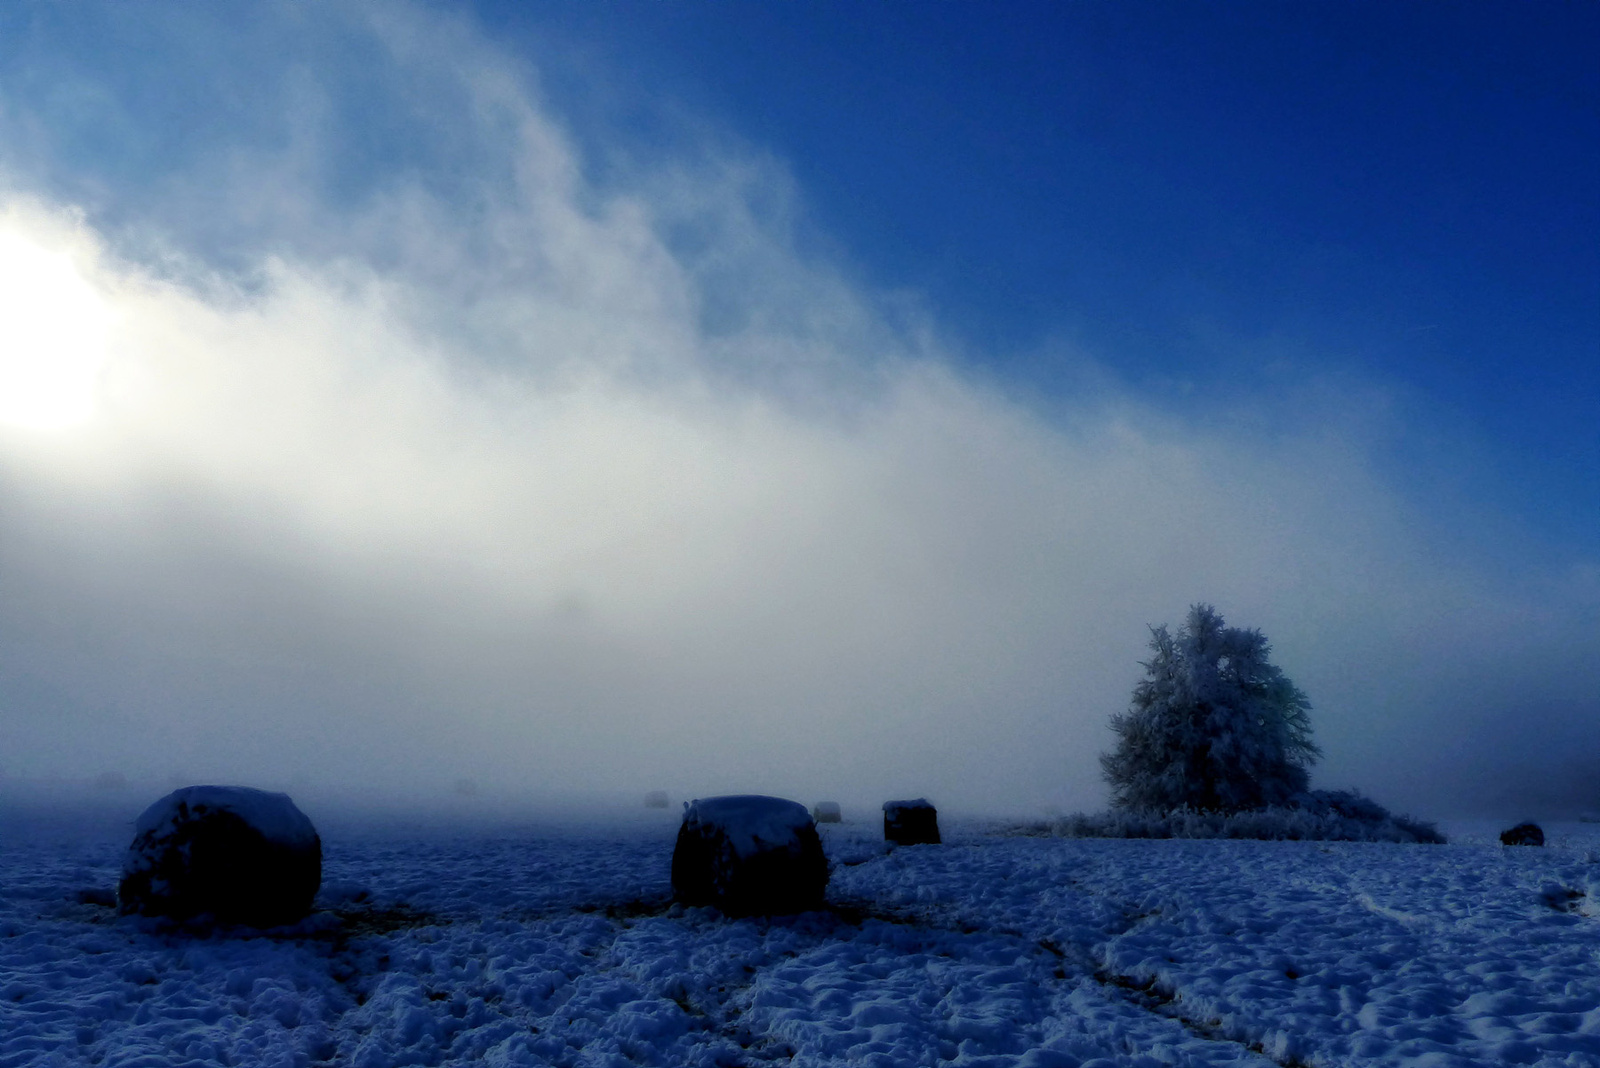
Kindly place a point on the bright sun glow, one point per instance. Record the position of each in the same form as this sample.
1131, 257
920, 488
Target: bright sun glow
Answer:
53, 337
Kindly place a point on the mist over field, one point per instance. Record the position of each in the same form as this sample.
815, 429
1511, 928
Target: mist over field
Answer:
435, 458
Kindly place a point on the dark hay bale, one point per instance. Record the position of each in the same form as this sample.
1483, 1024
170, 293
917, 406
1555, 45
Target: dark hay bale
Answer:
236, 854
655, 799
749, 855
827, 812
910, 822
1528, 834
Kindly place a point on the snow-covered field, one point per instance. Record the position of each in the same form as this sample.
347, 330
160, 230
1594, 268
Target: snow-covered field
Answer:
557, 945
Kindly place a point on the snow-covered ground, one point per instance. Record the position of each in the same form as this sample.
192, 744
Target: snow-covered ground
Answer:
557, 945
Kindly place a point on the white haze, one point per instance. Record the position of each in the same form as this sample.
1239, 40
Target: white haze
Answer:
574, 489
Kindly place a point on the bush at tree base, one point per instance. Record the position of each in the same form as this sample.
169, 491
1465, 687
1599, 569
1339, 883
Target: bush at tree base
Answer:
1318, 815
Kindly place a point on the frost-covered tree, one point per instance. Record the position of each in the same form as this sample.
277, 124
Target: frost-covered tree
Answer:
1213, 725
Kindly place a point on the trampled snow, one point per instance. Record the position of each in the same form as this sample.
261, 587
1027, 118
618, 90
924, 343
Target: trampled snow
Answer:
558, 946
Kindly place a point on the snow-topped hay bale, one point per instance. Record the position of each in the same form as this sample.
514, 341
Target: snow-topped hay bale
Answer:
1528, 834
237, 854
827, 812
749, 855
913, 822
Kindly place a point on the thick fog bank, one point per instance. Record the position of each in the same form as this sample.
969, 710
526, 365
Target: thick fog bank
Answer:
473, 469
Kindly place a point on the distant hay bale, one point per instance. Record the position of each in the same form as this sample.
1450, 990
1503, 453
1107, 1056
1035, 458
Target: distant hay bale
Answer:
749, 855
827, 812
1523, 834
234, 853
655, 799
914, 822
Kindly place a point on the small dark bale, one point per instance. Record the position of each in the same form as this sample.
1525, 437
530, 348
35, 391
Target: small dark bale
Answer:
1528, 834
234, 853
655, 799
827, 812
749, 855
910, 822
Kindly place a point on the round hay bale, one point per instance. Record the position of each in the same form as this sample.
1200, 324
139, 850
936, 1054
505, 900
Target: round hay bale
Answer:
827, 812
234, 853
749, 855
1528, 834
913, 822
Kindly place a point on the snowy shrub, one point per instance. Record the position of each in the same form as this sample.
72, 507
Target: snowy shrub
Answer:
236, 854
910, 822
1213, 725
1347, 803
749, 855
1318, 815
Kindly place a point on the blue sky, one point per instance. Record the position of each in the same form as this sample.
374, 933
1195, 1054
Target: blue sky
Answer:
793, 398
1193, 195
